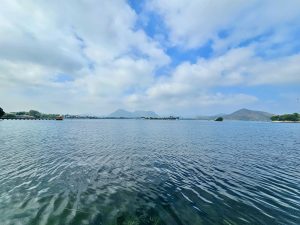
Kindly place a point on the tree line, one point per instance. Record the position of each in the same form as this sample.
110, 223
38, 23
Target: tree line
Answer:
287, 117
31, 113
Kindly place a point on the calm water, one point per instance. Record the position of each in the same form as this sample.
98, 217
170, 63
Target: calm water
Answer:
149, 172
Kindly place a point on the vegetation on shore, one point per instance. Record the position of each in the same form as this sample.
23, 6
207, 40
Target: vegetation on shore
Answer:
295, 117
2, 113
31, 114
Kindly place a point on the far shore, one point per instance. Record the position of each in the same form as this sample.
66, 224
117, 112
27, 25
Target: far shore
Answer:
286, 121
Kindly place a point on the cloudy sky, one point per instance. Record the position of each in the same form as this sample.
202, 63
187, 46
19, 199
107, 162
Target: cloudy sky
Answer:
193, 57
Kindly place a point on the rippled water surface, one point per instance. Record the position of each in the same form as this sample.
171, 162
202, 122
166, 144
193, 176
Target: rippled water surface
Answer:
149, 172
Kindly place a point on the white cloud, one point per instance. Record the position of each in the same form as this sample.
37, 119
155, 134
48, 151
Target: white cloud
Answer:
194, 22
112, 64
191, 24
236, 67
189, 85
94, 42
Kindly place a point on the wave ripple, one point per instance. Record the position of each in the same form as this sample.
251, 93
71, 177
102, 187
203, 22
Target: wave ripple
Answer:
149, 172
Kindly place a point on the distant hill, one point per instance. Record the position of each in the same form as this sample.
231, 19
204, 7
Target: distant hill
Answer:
249, 115
120, 113
136, 114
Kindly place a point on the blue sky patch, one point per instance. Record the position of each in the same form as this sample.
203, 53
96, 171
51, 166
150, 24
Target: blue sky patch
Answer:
61, 78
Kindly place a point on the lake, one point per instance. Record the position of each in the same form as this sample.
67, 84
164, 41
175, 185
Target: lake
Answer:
149, 172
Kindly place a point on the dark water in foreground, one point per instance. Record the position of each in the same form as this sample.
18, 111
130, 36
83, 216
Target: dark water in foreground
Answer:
149, 172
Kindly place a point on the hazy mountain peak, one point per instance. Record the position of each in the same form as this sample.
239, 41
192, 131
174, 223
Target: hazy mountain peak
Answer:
121, 111
247, 114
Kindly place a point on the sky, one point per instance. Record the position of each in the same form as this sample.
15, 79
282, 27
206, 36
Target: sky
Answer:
188, 58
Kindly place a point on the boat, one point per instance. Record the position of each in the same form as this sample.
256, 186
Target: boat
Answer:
59, 118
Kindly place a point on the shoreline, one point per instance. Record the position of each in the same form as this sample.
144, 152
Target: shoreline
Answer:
286, 121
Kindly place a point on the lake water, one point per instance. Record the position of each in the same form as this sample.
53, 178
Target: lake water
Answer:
149, 172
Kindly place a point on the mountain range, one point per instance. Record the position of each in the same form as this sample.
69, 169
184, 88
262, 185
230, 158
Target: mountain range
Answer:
121, 113
242, 114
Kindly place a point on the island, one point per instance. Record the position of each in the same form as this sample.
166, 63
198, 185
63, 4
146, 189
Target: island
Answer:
219, 119
288, 118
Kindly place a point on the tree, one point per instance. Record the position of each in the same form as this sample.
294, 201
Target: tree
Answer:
1, 112
35, 114
275, 118
21, 113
